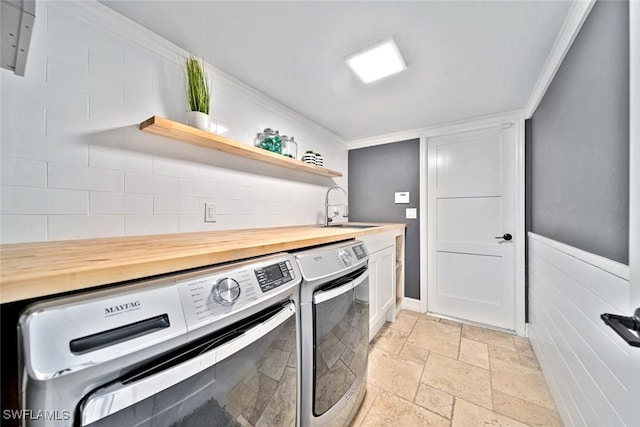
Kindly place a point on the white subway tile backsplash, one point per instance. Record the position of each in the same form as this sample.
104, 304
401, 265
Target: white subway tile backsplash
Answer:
176, 205
68, 117
148, 143
37, 146
23, 172
119, 159
26, 200
137, 225
62, 76
84, 178
65, 227
174, 167
235, 192
75, 164
190, 223
198, 188
64, 47
120, 203
24, 113
150, 184
23, 228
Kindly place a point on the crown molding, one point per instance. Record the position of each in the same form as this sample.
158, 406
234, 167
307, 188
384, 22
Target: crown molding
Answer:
457, 126
109, 20
570, 28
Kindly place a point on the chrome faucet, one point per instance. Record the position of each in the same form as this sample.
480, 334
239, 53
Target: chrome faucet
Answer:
327, 218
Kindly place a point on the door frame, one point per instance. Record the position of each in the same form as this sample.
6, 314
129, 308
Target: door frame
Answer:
428, 212
634, 177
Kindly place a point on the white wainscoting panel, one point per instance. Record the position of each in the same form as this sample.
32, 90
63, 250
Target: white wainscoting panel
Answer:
583, 360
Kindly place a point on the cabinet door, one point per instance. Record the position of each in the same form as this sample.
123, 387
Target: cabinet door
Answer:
381, 288
386, 278
374, 307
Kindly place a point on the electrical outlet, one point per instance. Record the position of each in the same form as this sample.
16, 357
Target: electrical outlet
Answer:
209, 212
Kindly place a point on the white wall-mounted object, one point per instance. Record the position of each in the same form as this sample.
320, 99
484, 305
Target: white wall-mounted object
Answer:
401, 197
18, 17
209, 212
411, 213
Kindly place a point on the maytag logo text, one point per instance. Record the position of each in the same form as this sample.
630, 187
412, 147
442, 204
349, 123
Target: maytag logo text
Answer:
121, 308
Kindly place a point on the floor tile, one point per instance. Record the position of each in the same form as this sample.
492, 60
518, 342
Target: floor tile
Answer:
430, 317
404, 322
410, 313
435, 337
521, 410
458, 378
525, 383
451, 322
474, 353
434, 400
466, 414
390, 339
487, 336
372, 393
414, 353
529, 362
463, 392
504, 354
394, 374
389, 410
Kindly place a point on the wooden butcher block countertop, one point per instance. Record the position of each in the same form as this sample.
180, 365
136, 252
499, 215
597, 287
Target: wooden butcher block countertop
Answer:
31, 270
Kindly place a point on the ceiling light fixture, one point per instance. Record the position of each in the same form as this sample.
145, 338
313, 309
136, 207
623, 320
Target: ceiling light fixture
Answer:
378, 61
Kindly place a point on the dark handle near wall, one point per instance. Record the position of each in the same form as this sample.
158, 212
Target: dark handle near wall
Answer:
505, 236
624, 325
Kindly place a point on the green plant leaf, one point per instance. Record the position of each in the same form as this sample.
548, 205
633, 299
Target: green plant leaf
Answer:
198, 89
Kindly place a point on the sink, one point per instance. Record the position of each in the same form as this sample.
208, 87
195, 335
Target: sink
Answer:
347, 225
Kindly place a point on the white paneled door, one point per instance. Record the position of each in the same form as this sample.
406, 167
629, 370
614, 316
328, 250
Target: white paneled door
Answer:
472, 226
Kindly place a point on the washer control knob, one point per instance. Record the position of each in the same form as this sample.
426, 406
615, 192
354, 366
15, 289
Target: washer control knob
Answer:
226, 291
346, 257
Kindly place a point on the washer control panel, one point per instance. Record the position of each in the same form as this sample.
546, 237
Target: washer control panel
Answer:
213, 294
226, 291
272, 276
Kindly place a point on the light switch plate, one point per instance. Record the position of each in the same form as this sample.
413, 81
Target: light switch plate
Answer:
402, 197
411, 213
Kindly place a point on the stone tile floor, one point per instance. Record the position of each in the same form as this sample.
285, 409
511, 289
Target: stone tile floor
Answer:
425, 371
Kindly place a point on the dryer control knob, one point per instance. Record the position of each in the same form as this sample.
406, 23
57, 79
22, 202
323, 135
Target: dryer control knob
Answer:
226, 291
346, 257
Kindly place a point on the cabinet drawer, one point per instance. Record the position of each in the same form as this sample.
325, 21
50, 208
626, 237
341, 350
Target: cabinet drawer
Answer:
377, 242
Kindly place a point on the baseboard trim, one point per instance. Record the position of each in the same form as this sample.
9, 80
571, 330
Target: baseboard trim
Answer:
411, 304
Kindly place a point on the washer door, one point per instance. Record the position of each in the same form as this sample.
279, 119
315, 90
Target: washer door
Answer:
341, 339
244, 374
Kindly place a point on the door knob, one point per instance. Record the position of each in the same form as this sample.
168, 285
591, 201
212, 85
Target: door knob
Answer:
626, 327
505, 236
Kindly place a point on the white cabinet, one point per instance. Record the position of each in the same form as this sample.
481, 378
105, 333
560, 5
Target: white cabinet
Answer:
383, 278
381, 288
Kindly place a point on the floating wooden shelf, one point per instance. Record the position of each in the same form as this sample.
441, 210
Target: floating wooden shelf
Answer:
181, 132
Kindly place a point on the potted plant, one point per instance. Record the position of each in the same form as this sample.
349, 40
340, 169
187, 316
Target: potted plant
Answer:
198, 94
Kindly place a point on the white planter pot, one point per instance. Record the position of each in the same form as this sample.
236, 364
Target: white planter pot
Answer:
199, 120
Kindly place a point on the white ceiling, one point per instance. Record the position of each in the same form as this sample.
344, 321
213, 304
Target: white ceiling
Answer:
465, 59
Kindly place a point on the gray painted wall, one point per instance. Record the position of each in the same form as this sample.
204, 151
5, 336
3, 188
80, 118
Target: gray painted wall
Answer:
375, 174
580, 141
